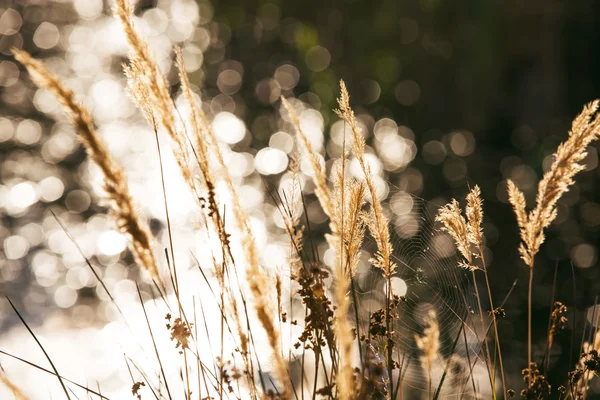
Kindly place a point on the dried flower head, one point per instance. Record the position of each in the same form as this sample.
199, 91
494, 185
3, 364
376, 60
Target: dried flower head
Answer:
587, 367
180, 332
537, 385
556, 181
456, 226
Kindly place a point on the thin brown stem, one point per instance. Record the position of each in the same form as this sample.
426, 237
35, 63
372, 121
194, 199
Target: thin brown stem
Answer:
529, 295
388, 321
493, 315
487, 354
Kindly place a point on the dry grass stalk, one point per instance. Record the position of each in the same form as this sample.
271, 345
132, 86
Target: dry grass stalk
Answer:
257, 279
199, 129
343, 206
474, 213
468, 236
115, 181
556, 181
203, 135
348, 199
14, 389
149, 89
377, 221
457, 227
145, 74
429, 344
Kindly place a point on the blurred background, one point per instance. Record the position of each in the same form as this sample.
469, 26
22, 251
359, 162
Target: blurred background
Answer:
451, 94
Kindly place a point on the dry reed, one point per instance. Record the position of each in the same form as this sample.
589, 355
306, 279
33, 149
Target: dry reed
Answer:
115, 181
377, 221
149, 89
145, 71
348, 199
457, 227
343, 204
555, 182
468, 236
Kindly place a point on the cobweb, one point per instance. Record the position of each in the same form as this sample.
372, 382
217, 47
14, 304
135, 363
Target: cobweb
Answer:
429, 277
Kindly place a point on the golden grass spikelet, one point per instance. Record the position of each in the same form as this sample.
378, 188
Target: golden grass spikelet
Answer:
377, 222
465, 232
115, 181
348, 199
456, 226
198, 127
349, 196
149, 89
474, 212
14, 389
517, 200
555, 182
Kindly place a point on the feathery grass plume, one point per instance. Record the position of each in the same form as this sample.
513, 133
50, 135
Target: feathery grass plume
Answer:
457, 227
349, 196
378, 223
319, 178
517, 200
115, 181
429, 344
348, 199
199, 128
145, 74
468, 235
474, 213
585, 128
14, 389
149, 89
556, 181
